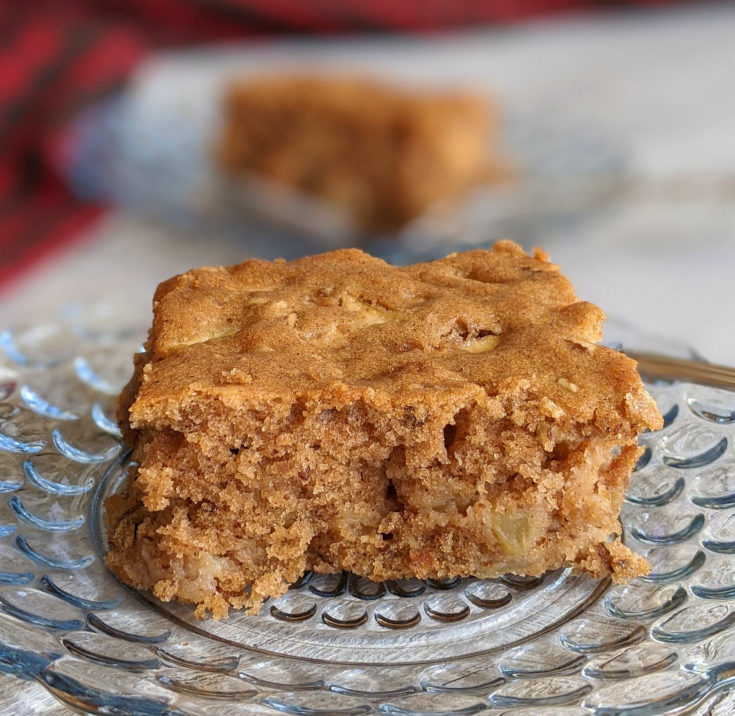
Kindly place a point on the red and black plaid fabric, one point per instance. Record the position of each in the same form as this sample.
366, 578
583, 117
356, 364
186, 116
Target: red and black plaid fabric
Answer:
57, 56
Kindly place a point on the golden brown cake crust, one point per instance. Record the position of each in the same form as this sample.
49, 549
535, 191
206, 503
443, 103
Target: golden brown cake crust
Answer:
452, 417
379, 152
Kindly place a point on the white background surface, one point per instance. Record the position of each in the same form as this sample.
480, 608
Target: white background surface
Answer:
661, 84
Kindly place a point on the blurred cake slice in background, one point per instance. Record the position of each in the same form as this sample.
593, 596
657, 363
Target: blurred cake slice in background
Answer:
379, 153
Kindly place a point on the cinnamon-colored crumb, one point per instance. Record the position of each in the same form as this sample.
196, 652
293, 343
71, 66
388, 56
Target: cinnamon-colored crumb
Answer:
447, 418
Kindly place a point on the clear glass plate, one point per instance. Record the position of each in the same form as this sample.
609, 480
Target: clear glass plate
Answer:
338, 644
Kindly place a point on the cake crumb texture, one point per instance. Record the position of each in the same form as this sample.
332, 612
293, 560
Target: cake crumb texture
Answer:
449, 418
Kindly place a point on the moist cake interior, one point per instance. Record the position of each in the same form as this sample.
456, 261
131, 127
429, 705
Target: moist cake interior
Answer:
442, 419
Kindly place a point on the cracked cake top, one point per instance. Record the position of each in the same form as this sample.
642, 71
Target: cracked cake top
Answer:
472, 325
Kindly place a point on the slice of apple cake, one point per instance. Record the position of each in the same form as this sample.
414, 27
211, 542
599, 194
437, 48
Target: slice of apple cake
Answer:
448, 418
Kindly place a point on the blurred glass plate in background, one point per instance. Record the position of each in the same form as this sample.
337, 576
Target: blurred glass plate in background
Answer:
150, 150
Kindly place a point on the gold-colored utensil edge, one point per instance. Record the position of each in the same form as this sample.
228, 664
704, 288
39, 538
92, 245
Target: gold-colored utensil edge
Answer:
658, 367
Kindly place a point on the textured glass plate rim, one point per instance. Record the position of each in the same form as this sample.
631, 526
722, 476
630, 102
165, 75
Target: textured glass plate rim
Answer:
706, 690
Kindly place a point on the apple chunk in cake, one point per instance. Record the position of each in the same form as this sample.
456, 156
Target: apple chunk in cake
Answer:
447, 418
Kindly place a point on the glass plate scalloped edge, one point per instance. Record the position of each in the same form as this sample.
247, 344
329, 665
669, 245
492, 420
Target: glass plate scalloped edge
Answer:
338, 644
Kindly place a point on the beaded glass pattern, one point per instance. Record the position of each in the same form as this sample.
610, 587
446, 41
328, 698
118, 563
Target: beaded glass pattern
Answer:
340, 644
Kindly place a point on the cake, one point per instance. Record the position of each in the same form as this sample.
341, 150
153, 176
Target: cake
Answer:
332, 413
379, 153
